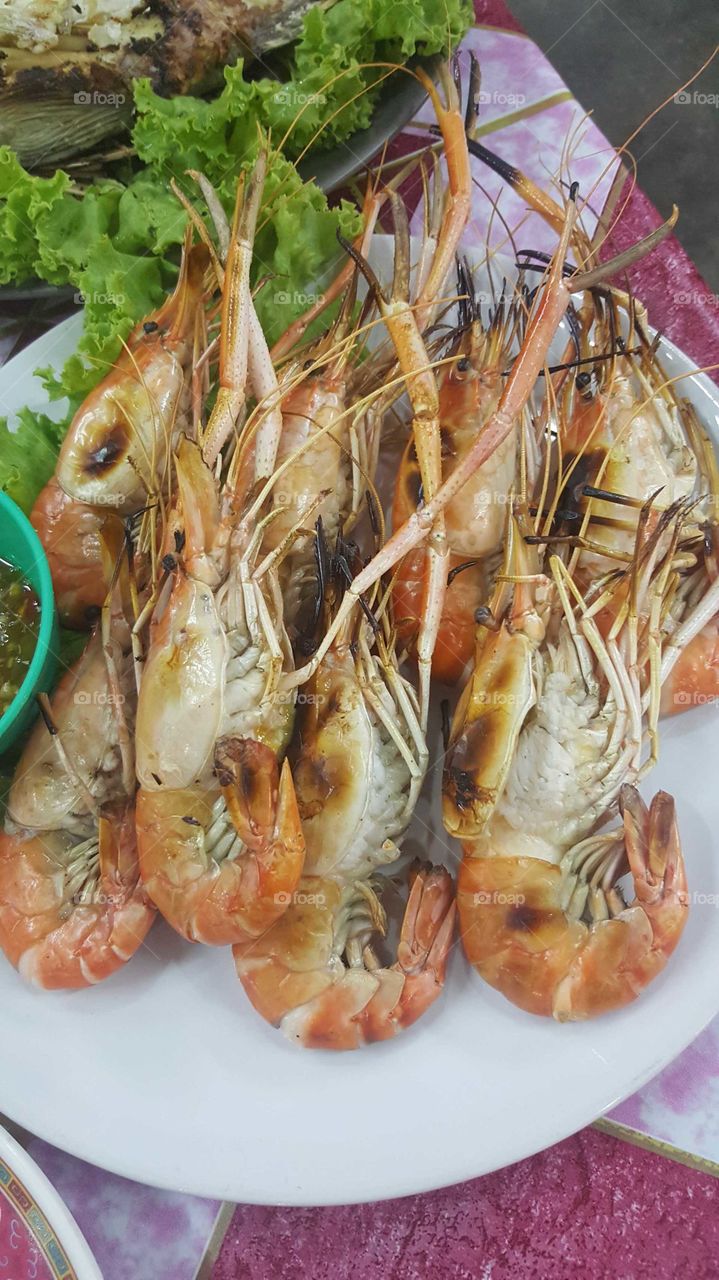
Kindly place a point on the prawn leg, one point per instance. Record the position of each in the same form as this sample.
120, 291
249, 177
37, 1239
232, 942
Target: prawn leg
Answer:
296, 978
209, 885
235, 318
525, 928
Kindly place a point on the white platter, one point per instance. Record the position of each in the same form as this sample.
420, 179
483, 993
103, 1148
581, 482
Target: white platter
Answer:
165, 1074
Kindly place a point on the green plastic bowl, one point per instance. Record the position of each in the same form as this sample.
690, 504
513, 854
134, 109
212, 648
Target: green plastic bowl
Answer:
20, 545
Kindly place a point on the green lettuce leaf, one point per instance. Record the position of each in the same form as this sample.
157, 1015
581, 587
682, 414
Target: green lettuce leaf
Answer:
24, 200
28, 455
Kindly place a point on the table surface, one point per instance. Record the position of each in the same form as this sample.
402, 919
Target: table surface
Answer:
625, 1209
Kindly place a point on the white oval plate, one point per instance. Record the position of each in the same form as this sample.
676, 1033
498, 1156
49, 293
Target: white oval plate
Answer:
34, 1194
166, 1075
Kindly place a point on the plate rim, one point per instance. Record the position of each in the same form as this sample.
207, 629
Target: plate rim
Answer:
51, 1204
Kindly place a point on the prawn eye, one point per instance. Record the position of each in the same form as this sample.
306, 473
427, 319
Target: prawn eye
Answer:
462, 367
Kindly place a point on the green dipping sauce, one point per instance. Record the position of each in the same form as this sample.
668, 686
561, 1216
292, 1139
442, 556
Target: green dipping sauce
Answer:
19, 626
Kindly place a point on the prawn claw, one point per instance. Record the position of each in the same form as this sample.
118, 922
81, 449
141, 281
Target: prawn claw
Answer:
222, 868
259, 799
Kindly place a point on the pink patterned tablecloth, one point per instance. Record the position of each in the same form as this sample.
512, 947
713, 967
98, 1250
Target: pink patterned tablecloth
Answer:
591, 1205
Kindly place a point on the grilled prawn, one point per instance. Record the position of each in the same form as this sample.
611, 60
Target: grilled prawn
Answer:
359, 763
469, 388
547, 740
72, 907
116, 454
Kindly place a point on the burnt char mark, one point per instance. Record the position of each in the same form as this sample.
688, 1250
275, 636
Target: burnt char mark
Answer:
248, 782
464, 790
523, 918
114, 446
42, 83
447, 444
586, 469
193, 20
413, 486
249, 766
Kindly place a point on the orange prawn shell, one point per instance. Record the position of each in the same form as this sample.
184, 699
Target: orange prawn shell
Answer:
288, 966
70, 534
289, 973
513, 931
486, 727
218, 904
463, 597
516, 932
69, 946
465, 402
694, 679
123, 429
309, 411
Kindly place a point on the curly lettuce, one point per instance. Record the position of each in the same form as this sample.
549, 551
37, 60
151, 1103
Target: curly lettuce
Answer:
27, 455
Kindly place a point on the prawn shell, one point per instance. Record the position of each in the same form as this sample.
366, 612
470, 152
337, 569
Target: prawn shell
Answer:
42, 797
58, 944
120, 439
694, 678
513, 929
455, 641
291, 964
180, 704
474, 522
487, 723
206, 901
118, 445
334, 745
295, 979
70, 534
